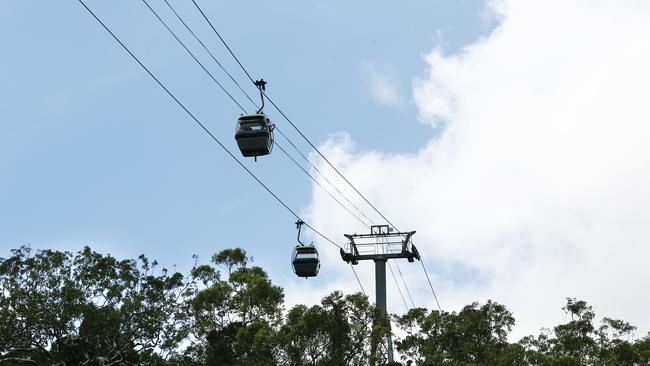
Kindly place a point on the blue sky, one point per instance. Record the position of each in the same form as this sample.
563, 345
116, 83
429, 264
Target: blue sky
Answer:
536, 180
93, 153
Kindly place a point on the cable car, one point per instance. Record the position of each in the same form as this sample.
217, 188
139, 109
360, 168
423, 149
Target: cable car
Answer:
254, 135
305, 261
305, 257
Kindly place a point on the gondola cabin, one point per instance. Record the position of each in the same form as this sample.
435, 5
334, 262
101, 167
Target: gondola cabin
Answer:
305, 261
254, 135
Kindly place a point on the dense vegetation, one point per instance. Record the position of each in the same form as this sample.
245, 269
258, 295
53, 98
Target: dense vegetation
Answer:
60, 308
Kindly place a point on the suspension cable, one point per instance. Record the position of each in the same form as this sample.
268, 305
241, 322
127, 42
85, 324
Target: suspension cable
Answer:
285, 116
235, 101
322, 175
430, 285
408, 292
202, 126
359, 281
223, 41
191, 54
256, 105
305, 137
259, 84
209, 52
213, 137
318, 183
398, 288
399, 271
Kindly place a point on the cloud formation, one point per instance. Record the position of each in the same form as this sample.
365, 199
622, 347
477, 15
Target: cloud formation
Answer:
383, 86
538, 187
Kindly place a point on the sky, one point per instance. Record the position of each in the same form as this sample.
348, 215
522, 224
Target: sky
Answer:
511, 135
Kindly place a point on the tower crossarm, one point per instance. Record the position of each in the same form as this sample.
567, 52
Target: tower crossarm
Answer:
380, 244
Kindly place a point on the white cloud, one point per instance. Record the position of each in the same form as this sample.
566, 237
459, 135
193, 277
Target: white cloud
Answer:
383, 85
538, 187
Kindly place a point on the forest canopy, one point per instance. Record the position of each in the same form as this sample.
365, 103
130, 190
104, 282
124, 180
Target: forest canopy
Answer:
88, 308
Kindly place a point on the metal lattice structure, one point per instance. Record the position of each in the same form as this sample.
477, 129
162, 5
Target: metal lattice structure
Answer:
381, 244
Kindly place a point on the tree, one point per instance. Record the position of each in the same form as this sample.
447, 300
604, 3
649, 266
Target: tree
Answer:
574, 340
477, 335
86, 307
337, 332
612, 339
642, 349
581, 342
233, 320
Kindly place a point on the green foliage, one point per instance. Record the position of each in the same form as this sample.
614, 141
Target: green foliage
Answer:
234, 320
477, 335
86, 308
337, 332
231, 258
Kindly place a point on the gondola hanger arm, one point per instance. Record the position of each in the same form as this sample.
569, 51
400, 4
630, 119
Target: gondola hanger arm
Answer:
299, 224
261, 85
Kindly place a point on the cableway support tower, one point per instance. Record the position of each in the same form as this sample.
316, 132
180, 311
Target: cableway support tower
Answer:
380, 245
